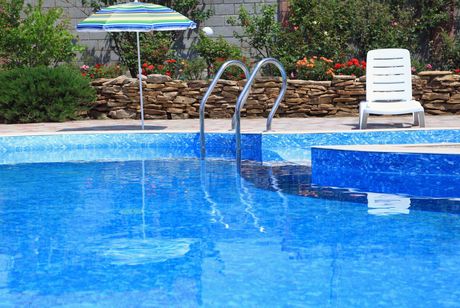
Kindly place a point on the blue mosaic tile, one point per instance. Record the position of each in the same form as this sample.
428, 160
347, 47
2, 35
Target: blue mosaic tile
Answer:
421, 174
277, 146
264, 147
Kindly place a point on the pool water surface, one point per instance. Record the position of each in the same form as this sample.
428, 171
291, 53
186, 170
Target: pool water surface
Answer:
186, 233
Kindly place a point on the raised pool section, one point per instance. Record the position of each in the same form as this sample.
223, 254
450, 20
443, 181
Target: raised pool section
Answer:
431, 170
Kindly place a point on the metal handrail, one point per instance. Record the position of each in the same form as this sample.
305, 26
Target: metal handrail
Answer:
208, 93
245, 93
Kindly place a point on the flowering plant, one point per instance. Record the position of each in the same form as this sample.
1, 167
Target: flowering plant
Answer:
353, 67
314, 68
101, 71
168, 68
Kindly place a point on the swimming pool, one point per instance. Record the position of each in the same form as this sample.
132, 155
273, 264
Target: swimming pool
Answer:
152, 225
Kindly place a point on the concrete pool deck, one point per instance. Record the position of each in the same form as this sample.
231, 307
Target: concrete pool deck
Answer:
279, 125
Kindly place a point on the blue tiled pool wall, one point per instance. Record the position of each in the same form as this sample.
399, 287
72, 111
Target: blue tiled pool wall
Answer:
279, 147
258, 147
433, 175
127, 146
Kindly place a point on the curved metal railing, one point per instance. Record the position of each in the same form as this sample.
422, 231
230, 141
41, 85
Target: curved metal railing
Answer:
208, 93
245, 93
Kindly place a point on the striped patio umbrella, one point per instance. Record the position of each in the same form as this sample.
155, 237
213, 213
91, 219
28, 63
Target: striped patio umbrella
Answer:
136, 17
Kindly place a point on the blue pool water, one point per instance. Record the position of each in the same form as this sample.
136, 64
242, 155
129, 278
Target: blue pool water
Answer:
185, 233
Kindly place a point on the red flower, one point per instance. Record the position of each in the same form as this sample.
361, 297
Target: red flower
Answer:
349, 63
98, 66
337, 66
92, 75
168, 73
144, 65
171, 61
143, 72
83, 74
457, 71
355, 61
151, 67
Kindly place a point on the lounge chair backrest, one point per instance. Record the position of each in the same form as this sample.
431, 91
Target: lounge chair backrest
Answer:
388, 75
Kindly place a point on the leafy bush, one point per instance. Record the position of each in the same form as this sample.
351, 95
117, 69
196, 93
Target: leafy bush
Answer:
193, 69
31, 36
340, 30
43, 94
216, 50
267, 38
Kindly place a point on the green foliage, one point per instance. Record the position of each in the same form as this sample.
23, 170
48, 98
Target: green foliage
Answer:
341, 30
216, 50
31, 36
156, 47
42, 94
193, 69
261, 31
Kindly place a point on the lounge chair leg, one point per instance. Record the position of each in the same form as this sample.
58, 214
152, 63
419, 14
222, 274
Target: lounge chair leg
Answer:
421, 118
362, 119
415, 118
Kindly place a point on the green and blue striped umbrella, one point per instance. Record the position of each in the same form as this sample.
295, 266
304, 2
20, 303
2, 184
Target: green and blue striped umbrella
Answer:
136, 17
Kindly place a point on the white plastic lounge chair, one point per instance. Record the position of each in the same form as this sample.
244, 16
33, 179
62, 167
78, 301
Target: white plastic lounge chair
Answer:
389, 86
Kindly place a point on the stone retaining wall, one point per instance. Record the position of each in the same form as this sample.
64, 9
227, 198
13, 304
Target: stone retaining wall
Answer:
164, 98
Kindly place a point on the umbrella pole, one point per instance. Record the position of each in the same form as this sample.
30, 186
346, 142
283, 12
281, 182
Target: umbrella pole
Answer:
139, 70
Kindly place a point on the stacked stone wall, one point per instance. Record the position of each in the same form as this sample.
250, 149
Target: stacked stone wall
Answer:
165, 98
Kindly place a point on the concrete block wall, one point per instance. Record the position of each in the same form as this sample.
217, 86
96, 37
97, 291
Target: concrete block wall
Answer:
98, 44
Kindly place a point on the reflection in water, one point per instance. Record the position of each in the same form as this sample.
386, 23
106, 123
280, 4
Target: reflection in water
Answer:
386, 204
126, 251
215, 212
296, 179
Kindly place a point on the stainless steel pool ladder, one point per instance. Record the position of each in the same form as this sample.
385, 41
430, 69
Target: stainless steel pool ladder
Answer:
208, 93
236, 120
245, 93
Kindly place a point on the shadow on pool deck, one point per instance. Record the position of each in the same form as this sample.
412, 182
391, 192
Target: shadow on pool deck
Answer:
383, 125
113, 128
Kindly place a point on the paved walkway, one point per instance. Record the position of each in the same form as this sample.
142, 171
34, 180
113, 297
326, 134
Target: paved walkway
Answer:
222, 125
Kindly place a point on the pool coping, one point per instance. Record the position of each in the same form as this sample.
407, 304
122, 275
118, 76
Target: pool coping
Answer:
428, 148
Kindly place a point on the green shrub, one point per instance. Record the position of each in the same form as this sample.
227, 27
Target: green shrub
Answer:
216, 51
42, 94
193, 69
31, 36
